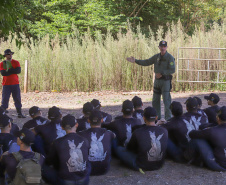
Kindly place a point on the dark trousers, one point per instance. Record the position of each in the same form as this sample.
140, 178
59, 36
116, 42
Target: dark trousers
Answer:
7, 90
201, 151
175, 152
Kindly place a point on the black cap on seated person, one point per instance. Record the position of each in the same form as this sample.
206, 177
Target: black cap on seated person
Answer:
127, 106
150, 113
68, 121
4, 121
26, 136
87, 108
222, 113
191, 104
54, 112
137, 102
163, 43
95, 117
34, 110
198, 100
96, 103
213, 97
176, 108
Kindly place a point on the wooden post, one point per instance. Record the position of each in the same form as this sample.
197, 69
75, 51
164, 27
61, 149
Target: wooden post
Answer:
25, 77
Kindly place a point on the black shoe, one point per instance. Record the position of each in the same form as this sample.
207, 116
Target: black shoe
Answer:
21, 116
3, 109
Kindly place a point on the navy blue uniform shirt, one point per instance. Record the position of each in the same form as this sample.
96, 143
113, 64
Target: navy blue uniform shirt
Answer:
99, 149
69, 156
149, 143
122, 129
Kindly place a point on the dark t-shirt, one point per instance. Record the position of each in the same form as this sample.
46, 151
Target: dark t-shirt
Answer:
211, 112
139, 115
69, 155
200, 111
6, 139
9, 163
123, 129
216, 136
149, 143
49, 132
99, 149
198, 121
83, 124
107, 118
178, 130
14, 129
35, 122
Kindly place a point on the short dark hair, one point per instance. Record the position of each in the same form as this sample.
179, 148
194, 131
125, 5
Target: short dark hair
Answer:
95, 117
176, 108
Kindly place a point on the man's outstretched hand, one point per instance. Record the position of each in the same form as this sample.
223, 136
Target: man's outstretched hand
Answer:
131, 59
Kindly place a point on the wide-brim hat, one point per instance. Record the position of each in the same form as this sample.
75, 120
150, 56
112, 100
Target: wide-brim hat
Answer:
8, 51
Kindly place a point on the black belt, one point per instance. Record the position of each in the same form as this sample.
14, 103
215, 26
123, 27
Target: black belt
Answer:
165, 77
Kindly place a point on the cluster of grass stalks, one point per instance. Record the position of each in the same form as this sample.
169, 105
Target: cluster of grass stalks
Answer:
82, 63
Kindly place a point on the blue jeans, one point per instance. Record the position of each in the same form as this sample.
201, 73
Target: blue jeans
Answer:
206, 153
127, 157
7, 90
174, 152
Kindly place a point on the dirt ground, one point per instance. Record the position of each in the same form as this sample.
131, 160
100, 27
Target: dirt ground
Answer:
171, 173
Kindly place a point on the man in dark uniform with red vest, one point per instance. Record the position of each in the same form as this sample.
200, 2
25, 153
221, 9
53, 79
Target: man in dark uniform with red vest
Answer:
9, 69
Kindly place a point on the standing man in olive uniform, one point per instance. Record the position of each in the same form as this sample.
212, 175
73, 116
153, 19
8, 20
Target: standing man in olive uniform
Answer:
164, 67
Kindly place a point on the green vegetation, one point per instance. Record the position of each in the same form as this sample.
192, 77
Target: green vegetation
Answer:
36, 18
84, 63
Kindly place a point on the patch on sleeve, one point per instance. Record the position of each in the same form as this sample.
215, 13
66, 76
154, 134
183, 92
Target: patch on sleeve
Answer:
171, 63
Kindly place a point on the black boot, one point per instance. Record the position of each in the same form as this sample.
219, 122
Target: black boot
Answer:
5, 110
19, 113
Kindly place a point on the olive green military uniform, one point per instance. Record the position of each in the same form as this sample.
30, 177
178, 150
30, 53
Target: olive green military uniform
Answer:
166, 66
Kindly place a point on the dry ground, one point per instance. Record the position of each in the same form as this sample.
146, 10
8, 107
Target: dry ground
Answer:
171, 173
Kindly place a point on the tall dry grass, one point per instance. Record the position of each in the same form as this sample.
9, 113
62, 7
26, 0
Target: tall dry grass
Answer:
82, 63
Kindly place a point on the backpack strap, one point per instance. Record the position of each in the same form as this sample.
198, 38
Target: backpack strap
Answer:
17, 156
36, 157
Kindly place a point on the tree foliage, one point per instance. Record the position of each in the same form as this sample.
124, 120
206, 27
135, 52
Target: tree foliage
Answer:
63, 16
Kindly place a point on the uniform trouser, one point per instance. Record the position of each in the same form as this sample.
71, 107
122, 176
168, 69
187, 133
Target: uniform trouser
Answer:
7, 91
162, 87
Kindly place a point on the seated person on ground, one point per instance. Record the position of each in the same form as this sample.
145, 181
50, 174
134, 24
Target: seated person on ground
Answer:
69, 155
138, 110
211, 111
195, 120
37, 118
7, 140
147, 147
178, 130
50, 131
9, 169
210, 143
100, 141
123, 127
199, 110
83, 123
107, 118
14, 127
